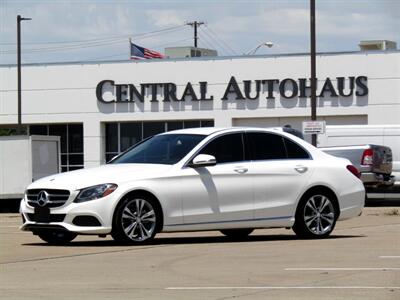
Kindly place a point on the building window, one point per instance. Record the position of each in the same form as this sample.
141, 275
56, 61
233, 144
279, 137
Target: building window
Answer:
120, 136
153, 128
9, 130
71, 138
130, 134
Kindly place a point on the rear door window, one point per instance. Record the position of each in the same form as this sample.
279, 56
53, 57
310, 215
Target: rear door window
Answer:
265, 146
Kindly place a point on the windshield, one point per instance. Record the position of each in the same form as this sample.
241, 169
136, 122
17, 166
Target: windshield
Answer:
160, 149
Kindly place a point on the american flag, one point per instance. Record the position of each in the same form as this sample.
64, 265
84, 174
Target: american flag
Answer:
138, 52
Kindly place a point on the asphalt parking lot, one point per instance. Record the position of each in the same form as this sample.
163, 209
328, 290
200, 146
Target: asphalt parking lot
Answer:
360, 261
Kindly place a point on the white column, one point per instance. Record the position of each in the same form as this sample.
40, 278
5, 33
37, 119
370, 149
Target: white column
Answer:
222, 119
92, 143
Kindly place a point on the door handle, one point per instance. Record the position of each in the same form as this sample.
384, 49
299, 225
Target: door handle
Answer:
301, 169
240, 170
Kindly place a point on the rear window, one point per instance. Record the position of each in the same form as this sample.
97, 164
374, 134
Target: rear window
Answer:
295, 151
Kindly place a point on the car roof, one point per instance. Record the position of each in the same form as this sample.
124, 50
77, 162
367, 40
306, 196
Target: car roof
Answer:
212, 130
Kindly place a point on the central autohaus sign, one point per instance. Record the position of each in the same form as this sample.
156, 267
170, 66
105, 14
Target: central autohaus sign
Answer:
234, 90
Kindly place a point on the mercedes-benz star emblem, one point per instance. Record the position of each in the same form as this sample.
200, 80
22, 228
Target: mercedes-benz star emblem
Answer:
43, 198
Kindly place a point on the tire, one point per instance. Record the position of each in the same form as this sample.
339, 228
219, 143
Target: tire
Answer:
55, 237
237, 234
136, 220
316, 215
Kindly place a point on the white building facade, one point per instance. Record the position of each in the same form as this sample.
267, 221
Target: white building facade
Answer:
100, 109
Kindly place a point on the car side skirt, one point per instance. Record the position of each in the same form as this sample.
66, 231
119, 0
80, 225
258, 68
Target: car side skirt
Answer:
284, 221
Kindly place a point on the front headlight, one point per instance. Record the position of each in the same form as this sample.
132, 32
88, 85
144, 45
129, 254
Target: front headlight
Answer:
95, 192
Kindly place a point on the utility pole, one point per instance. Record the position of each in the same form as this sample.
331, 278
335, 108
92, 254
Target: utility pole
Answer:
19, 19
195, 24
313, 70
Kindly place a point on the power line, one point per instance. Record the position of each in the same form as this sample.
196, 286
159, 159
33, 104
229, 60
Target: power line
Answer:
112, 37
216, 42
126, 53
93, 44
220, 39
66, 48
96, 42
171, 43
205, 41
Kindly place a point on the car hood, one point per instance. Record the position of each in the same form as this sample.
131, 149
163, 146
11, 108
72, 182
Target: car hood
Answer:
112, 173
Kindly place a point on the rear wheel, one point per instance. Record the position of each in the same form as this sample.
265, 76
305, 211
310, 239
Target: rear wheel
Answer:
316, 216
237, 233
55, 237
135, 221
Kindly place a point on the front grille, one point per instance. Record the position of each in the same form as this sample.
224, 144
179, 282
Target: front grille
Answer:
56, 197
53, 217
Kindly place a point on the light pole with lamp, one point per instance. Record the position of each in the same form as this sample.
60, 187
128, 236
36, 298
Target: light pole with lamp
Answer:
313, 69
254, 50
19, 19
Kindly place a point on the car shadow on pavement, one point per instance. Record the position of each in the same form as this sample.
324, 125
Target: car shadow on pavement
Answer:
382, 203
194, 240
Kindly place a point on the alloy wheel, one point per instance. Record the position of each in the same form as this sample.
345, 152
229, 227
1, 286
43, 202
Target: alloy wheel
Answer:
138, 220
319, 214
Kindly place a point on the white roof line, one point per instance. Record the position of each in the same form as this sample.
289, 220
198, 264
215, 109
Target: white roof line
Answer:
99, 62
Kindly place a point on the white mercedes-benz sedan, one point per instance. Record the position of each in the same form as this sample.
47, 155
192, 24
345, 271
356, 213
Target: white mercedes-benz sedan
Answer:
233, 180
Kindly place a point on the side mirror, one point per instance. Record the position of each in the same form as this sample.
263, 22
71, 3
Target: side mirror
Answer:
203, 160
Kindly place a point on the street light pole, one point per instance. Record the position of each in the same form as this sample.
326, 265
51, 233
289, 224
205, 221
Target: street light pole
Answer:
254, 50
313, 70
19, 19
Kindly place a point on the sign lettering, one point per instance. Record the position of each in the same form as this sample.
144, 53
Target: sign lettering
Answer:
287, 88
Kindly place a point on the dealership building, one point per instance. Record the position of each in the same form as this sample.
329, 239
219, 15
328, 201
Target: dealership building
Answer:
101, 108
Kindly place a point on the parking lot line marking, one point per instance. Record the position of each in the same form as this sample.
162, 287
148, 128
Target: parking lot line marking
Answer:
390, 256
342, 269
136, 248
283, 287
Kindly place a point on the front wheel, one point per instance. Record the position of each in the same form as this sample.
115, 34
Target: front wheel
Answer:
316, 216
55, 237
135, 221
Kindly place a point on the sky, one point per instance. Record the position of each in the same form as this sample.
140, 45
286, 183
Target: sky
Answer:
97, 30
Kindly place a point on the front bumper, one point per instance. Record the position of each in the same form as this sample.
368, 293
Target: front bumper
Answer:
62, 218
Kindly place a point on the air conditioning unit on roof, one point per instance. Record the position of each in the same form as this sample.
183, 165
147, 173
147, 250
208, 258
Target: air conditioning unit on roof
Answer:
377, 45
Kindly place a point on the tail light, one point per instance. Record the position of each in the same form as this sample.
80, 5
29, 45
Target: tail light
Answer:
353, 170
367, 157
